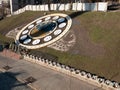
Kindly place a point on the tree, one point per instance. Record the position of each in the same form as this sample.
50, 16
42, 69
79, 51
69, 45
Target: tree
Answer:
49, 2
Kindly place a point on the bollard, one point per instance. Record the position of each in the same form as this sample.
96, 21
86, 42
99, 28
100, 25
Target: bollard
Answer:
107, 82
67, 68
49, 62
77, 71
62, 66
83, 73
89, 75
39, 58
58, 65
116, 85
53, 63
94, 77
101, 80
42, 59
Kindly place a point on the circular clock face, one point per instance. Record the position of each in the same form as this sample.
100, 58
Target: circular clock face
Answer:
44, 31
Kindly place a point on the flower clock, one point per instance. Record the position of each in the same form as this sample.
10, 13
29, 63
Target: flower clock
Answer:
44, 31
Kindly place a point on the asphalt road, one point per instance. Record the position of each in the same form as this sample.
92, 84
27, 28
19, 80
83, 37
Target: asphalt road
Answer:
46, 79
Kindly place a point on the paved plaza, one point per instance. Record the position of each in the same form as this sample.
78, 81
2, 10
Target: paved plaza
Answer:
9, 83
46, 79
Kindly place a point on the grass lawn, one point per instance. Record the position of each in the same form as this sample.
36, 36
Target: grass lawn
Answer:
103, 29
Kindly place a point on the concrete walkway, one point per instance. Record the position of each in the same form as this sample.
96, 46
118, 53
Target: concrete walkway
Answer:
46, 79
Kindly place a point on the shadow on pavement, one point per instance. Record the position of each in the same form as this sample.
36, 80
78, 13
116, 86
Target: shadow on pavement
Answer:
8, 82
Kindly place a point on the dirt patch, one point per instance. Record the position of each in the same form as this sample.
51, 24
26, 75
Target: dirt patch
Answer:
84, 45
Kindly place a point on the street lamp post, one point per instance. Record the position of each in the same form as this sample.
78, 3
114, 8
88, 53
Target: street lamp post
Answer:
11, 7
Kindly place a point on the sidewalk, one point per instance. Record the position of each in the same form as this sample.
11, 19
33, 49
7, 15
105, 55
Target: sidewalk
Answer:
45, 79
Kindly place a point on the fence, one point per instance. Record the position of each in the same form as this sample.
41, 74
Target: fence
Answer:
100, 6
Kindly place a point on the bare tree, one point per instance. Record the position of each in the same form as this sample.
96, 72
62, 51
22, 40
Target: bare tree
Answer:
49, 2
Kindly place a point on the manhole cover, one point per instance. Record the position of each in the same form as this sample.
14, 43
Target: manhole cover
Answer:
30, 79
7, 67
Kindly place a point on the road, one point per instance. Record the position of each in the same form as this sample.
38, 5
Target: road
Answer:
46, 79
